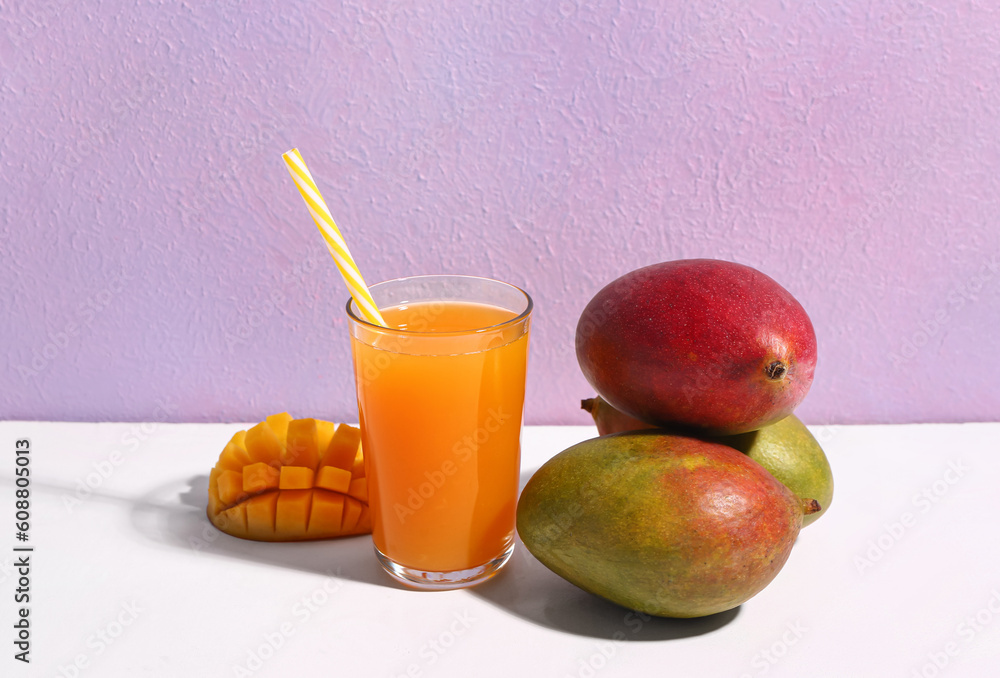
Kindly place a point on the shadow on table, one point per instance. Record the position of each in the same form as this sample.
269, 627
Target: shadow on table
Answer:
174, 515
529, 590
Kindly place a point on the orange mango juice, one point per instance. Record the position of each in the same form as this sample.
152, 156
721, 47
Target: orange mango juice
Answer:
440, 411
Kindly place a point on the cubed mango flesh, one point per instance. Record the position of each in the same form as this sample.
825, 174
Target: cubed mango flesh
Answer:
324, 434
358, 468
234, 456
301, 449
352, 511
215, 504
333, 479
230, 484
260, 477
292, 514
263, 444
326, 514
359, 489
261, 513
234, 520
296, 478
291, 479
343, 447
279, 424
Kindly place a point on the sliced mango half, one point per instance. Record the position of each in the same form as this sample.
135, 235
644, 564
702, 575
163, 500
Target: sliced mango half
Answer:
291, 480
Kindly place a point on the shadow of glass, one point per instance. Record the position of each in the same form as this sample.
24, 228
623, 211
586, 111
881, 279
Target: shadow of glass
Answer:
174, 515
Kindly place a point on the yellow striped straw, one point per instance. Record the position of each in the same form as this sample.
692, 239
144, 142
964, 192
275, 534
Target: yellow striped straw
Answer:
331, 234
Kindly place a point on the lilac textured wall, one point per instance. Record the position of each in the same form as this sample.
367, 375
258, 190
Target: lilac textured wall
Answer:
157, 261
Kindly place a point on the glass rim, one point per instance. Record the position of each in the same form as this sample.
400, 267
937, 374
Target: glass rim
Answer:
475, 330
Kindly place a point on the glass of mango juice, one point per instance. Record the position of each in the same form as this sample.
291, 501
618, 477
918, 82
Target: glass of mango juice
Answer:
440, 399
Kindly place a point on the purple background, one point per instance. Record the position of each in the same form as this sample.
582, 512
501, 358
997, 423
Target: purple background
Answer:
158, 262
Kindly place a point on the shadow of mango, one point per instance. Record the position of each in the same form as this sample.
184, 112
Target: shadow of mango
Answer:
173, 516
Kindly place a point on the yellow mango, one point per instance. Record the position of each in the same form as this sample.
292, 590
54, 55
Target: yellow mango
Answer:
324, 434
295, 478
215, 504
261, 513
233, 520
352, 511
343, 447
263, 444
333, 479
292, 513
359, 489
260, 477
300, 448
291, 479
234, 456
326, 515
279, 424
230, 485
358, 467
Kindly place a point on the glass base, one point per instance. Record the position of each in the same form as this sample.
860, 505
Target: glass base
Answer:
442, 581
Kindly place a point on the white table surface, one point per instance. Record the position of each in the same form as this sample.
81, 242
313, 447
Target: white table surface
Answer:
130, 579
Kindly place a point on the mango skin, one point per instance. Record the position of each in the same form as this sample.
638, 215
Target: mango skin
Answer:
792, 455
667, 525
785, 448
698, 343
608, 419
